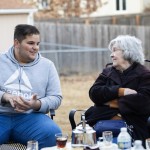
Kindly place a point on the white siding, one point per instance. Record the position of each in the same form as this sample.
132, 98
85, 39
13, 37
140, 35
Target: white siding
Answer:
8, 23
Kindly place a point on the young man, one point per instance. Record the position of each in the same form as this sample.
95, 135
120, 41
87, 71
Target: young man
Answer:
29, 88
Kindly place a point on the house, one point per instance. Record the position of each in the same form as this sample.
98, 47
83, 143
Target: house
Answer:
13, 12
89, 11
121, 7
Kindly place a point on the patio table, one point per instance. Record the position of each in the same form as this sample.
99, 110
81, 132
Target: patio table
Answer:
68, 147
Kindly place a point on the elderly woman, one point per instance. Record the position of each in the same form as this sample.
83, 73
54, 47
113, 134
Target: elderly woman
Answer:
122, 91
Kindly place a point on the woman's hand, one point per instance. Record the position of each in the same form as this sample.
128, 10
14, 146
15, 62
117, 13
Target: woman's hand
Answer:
128, 91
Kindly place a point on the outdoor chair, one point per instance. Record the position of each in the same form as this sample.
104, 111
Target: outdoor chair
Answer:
72, 113
73, 123
17, 146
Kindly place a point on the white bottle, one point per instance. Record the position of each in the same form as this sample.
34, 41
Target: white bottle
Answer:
124, 140
138, 145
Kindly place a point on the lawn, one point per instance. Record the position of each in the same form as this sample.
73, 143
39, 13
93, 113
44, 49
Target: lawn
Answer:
75, 96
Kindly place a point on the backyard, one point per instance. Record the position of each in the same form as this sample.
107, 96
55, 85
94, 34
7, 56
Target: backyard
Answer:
75, 96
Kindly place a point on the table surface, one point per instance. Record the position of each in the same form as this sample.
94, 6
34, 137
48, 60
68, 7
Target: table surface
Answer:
68, 147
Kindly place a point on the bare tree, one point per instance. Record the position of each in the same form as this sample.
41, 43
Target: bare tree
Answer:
68, 8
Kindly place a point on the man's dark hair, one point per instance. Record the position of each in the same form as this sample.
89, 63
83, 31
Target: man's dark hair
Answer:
22, 30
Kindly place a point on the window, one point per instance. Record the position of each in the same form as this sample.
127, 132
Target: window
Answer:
117, 4
124, 4
120, 4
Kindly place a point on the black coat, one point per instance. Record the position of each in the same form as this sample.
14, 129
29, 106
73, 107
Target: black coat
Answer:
134, 108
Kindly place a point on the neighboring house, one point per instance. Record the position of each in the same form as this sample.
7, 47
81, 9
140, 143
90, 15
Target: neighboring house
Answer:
121, 7
13, 12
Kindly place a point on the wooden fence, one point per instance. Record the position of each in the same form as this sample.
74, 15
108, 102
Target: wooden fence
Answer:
89, 36
130, 19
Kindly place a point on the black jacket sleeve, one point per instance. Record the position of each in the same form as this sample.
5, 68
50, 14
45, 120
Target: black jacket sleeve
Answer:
102, 91
137, 103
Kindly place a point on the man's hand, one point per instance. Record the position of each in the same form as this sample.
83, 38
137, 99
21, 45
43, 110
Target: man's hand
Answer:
23, 105
9, 98
20, 104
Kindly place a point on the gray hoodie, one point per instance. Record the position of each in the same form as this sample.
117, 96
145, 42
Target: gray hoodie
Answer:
39, 76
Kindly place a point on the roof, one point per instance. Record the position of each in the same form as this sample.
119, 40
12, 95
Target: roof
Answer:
14, 4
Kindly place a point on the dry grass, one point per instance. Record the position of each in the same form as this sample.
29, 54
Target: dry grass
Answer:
75, 96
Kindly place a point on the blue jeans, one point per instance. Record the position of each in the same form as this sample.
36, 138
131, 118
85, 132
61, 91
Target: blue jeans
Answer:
24, 127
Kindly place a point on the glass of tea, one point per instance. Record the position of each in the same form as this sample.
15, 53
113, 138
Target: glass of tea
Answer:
61, 140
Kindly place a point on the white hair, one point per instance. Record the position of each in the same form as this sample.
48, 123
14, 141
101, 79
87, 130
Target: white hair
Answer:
131, 47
